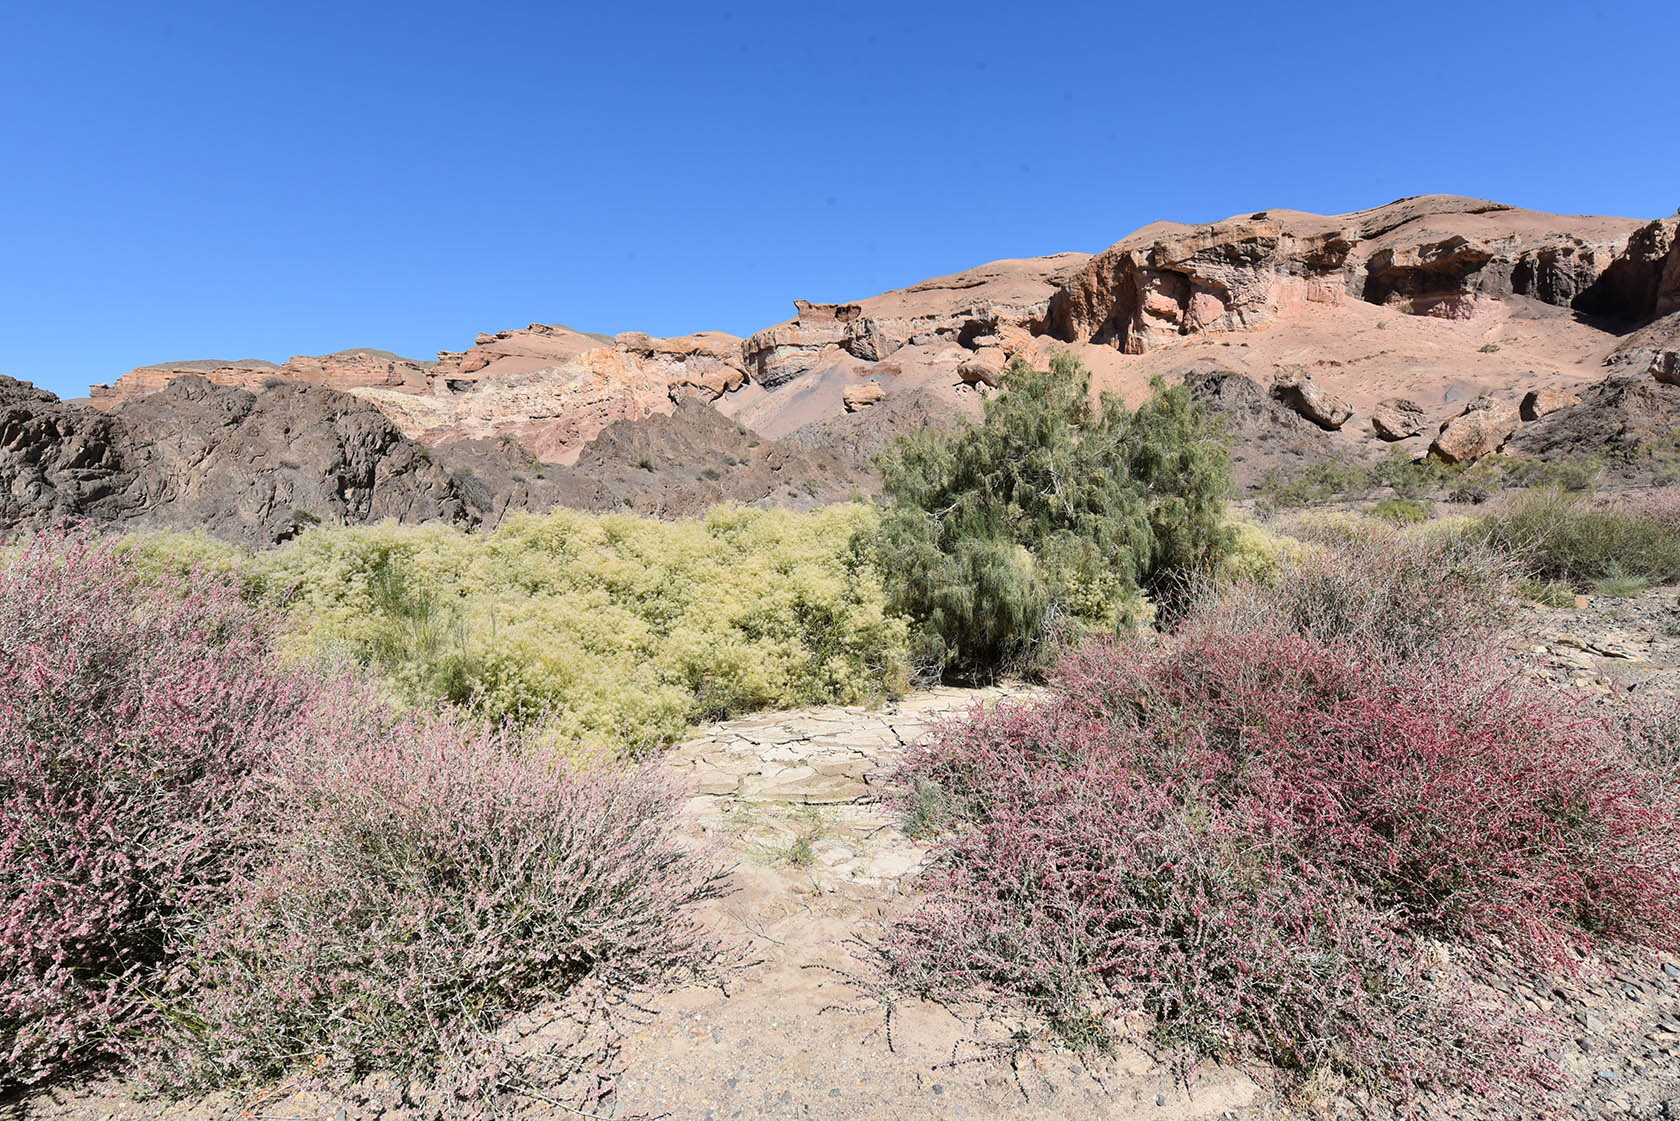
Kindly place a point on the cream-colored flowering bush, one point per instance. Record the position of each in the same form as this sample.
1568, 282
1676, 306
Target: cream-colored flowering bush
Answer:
604, 627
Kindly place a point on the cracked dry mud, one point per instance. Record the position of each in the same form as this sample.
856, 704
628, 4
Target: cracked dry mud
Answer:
821, 863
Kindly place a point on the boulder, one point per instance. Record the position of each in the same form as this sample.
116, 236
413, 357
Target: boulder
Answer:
1665, 366
1536, 403
1296, 389
1483, 427
1398, 418
984, 367
862, 396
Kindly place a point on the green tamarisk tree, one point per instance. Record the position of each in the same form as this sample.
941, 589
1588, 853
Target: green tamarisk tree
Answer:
1050, 519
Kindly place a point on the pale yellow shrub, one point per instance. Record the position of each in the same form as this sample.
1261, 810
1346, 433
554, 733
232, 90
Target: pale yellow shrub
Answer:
1259, 551
611, 627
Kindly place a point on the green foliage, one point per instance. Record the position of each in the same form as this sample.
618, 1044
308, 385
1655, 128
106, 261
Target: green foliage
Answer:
1350, 480
1620, 585
1562, 537
1548, 593
613, 628
1049, 517
1402, 511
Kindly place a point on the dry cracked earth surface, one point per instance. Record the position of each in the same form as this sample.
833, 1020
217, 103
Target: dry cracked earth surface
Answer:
791, 800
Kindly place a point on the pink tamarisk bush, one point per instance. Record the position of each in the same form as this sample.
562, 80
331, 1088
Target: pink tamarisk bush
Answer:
1255, 838
427, 878
216, 866
131, 714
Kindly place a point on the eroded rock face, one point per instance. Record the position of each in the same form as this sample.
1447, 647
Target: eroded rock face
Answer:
552, 388
1363, 302
1434, 255
253, 467
1483, 427
345, 370
1398, 418
1296, 389
1003, 302
1637, 282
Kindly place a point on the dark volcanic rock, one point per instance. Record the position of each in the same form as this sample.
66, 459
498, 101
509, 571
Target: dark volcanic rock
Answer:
58, 460
253, 467
258, 467
1622, 415
681, 465
1265, 436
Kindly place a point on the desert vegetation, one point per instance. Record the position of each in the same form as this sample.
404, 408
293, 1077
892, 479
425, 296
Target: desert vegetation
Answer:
1613, 546
1405, 477
221, 866
1049, 520
357, 803
1278, 828
613, 631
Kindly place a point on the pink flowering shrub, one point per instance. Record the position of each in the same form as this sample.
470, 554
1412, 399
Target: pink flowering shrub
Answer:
130, 717
218, 866
1251, 837
428, 878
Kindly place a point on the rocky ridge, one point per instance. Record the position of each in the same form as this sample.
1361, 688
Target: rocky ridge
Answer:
1431, 323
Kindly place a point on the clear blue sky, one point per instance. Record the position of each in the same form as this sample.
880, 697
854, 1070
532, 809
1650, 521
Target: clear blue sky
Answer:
235, 179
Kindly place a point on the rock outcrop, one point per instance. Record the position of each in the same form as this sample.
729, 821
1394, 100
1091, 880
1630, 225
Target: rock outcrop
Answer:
1266, 437
550, 387
1400, 313
1483, 427
1623, 416
1003, 300
1642, 281
254, 467
260, 466
1435, 255
345, 370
